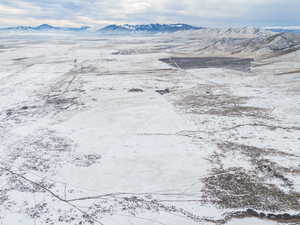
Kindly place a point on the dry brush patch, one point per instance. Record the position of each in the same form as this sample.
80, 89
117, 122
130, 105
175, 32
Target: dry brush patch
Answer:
40, 156
222, 105
238, 187
61, 96
243, 189
95, 209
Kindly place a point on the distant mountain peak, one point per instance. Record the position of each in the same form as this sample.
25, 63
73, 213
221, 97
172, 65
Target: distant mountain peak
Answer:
150, 28
42, 26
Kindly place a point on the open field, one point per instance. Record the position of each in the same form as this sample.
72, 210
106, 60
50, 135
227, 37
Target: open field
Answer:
170, 129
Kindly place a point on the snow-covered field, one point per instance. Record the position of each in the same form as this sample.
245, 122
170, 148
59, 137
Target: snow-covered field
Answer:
144, 130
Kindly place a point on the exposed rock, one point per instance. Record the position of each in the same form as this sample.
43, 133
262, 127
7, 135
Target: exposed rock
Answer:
135, 90
164, 91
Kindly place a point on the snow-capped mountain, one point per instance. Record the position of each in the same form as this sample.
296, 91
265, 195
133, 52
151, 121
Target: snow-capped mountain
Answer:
153, 28
284, 29
44, 27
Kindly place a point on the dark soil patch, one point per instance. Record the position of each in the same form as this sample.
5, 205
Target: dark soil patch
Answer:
209, 62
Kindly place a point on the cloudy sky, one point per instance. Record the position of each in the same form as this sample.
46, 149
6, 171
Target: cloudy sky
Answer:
98, 13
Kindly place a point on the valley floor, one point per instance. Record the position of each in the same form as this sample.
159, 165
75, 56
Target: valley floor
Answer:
119, 130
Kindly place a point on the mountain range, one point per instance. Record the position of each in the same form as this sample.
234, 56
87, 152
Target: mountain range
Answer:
152, 28
44, 27
149, 28
143, 28
282, 30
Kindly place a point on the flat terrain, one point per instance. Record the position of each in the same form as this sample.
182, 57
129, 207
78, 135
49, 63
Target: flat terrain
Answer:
171, 129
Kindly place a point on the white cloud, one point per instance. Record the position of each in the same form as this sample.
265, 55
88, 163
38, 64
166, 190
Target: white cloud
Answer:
197, 12
36, 22
89, 21
7, 10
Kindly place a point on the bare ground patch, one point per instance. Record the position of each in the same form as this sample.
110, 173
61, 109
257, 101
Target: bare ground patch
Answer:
264, 186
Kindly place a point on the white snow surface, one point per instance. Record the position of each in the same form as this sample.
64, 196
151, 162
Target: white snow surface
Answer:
78, 146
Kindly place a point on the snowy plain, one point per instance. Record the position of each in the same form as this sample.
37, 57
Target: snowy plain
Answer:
99, 130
